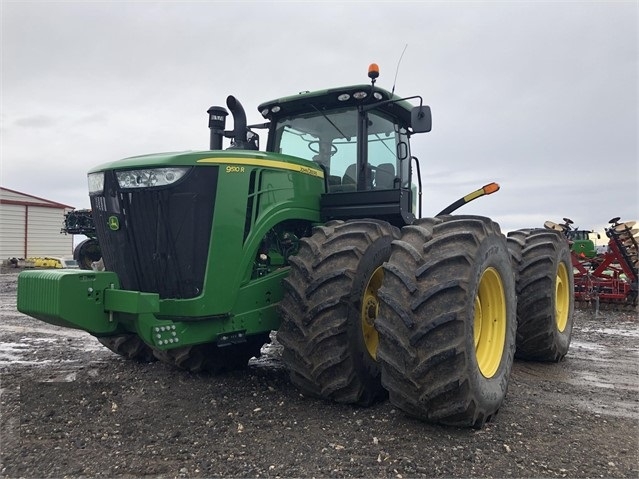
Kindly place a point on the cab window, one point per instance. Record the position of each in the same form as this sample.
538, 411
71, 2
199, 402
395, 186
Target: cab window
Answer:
330, 139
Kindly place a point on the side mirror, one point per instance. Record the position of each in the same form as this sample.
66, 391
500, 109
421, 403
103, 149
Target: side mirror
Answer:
420, 119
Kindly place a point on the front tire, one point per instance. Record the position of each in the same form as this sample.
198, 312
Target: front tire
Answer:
329, 308
211, 358
447, 320
129, 346
545, 290
87, 252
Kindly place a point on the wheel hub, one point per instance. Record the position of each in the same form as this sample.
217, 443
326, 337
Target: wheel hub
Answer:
372, 307
562, 298
370, 310
489, 325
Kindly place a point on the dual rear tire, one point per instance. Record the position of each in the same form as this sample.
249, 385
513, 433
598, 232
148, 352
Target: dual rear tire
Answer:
447, 323
427, 315
329, 310
545, 288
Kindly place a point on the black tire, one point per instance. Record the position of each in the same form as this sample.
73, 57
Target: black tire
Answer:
87, 252
328, 310
447, 314
129, 346
211, 358
545, 292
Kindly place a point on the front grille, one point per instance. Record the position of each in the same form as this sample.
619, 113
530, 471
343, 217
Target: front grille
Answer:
159, 238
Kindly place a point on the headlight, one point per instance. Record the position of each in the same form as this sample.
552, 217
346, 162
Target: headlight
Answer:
96, 183
151, 177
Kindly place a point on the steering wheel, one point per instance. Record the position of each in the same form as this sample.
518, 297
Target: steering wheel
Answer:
314, 147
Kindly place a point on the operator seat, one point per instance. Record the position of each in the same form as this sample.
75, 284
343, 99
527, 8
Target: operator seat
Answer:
350, 175
385, 176
350, 178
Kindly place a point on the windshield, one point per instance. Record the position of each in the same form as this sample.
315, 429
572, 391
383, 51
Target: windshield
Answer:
330, 139
580, 235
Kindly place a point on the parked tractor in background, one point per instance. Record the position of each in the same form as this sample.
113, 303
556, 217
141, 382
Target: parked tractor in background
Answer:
609, 278
581, 241
80, 222
318, 237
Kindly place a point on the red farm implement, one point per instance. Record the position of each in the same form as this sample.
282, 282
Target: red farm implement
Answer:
608, 278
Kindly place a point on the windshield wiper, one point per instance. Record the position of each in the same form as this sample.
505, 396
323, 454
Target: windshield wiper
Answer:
329, 120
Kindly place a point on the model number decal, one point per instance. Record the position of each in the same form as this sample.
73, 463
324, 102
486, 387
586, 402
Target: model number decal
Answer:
310, 171
236, 165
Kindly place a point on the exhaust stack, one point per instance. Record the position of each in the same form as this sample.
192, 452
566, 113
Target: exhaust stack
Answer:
239, 123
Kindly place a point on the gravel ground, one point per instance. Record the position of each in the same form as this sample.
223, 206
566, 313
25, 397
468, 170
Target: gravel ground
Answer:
71, 408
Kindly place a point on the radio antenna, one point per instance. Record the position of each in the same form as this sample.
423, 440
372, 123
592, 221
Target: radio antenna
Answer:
397, 70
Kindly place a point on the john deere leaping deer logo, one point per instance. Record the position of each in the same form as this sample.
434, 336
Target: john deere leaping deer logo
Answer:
114, 223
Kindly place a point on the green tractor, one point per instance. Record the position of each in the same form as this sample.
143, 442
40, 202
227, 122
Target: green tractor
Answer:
580, 241
318, 237
80, 222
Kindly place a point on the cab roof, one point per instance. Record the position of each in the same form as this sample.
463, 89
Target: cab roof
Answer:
336, 98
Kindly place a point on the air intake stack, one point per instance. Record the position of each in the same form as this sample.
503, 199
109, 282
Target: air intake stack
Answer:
217, 123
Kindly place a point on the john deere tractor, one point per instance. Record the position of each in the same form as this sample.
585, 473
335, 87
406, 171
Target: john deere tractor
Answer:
80, 222
316, 237
580, 241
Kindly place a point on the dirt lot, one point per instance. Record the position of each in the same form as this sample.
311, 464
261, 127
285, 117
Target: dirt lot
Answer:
71, 408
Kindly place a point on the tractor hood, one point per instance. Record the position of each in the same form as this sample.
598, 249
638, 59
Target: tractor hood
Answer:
193, 158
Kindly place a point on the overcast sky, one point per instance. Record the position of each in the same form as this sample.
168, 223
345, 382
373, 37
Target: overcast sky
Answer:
538, 96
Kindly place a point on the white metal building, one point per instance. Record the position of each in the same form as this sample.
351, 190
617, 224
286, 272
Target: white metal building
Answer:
30, 226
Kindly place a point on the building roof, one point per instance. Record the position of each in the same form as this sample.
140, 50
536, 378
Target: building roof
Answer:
12, 197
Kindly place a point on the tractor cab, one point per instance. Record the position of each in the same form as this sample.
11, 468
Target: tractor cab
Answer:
328, 135
359, 136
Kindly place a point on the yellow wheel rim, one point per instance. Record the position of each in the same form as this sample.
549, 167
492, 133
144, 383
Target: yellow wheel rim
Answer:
562, 297
370, 310
489, 326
